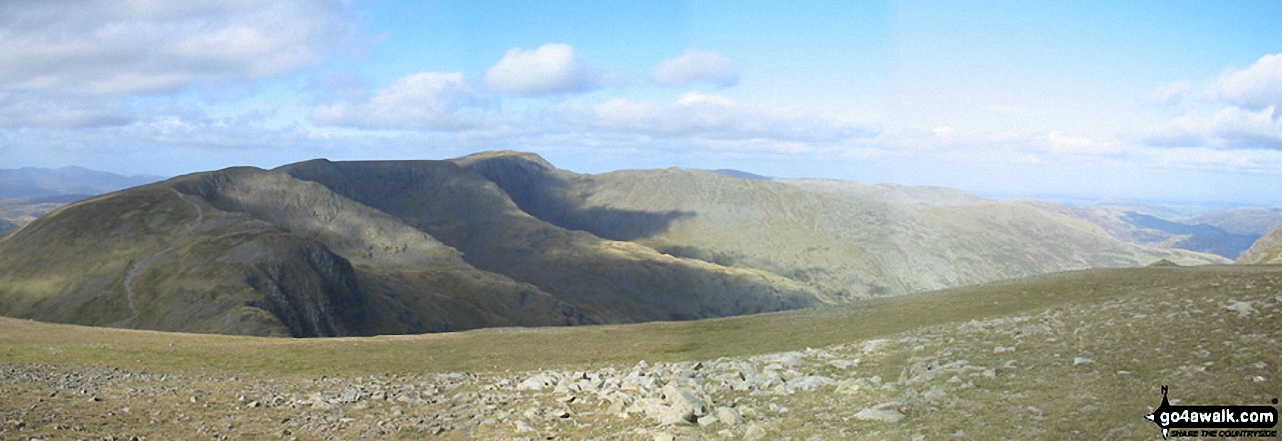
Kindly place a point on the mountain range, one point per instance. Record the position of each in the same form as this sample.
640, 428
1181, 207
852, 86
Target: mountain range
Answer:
322, 248
37, 182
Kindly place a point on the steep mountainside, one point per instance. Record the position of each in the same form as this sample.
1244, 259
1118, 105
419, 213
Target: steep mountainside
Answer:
1268, 250
324, 248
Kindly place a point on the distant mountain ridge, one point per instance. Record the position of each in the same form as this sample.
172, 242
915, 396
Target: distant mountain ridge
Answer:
1199, 234
28, 193
36, 182
321, 248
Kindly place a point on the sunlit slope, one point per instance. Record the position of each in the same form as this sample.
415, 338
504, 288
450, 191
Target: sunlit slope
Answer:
891, 193
845, 241
1268, 250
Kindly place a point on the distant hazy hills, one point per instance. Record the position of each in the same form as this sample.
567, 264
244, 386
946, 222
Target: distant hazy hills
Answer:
324, 248
28, 193
1227, 233
37, 182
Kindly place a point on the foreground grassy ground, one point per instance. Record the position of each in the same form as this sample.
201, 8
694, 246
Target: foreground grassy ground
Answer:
1072, 355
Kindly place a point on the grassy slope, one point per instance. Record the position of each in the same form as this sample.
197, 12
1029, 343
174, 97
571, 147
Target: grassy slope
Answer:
528, 348
1141, 328
891, 193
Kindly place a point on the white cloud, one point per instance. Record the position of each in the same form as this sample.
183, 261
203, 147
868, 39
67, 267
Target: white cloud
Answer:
125, 47
1250, 122
1229, 128
425, 100
553, 68
1205, 159
1235, 127
1081, 145
1256, 87
698, 115
693, 66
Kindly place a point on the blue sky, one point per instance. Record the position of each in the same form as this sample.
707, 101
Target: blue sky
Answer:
1175, 101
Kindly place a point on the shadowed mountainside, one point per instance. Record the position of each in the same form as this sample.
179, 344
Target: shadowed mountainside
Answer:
323, 248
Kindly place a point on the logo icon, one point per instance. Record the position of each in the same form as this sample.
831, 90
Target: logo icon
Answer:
1169, 417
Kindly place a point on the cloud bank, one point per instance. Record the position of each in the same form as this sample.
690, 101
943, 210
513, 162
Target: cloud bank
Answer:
128, 47
1255, 87
1249, 121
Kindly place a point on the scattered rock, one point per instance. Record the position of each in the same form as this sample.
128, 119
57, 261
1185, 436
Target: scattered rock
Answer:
754, 433
729, 416
1243, 309
884, 412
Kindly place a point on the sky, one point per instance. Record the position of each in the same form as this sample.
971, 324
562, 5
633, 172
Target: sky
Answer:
1172, 101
